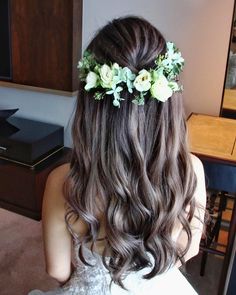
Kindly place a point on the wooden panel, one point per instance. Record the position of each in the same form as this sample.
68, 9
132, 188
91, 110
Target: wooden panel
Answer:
21, 188
13, 188
43, 32
212, 136
77, 40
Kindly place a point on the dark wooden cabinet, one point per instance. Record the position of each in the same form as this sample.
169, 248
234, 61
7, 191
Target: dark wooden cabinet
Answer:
46, 42
22, 188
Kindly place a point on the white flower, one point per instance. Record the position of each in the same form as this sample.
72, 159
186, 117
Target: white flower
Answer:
91, 81
161, 89
143, 81
173, 56
115, 66
116, 70
106, 75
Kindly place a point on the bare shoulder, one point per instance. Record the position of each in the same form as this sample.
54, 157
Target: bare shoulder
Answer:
53, 195
54, 201
200, 192
59, 174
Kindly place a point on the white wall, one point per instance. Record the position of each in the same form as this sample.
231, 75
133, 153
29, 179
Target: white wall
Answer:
200, 28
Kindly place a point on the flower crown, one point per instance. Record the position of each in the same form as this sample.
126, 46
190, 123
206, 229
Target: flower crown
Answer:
111, 79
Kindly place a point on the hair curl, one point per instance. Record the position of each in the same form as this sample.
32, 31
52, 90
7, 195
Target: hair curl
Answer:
132, 164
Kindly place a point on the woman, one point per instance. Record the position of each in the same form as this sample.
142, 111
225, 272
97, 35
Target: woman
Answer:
131, 202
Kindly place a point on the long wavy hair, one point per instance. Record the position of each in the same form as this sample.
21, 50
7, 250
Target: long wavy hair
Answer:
130, 166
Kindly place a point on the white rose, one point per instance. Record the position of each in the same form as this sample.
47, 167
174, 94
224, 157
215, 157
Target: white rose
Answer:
115, 66
143, 81
106, 75
91, 81
160, 89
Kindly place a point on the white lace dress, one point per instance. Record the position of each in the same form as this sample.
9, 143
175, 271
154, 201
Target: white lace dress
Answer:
95, 280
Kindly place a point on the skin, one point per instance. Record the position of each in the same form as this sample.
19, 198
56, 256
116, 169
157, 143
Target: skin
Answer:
58, 240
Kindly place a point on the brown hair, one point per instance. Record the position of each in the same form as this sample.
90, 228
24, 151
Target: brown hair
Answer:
131, 164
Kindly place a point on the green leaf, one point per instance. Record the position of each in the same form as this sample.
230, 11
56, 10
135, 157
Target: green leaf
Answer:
98, 95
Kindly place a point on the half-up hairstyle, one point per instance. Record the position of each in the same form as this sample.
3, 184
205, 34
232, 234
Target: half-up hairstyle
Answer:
131, 166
